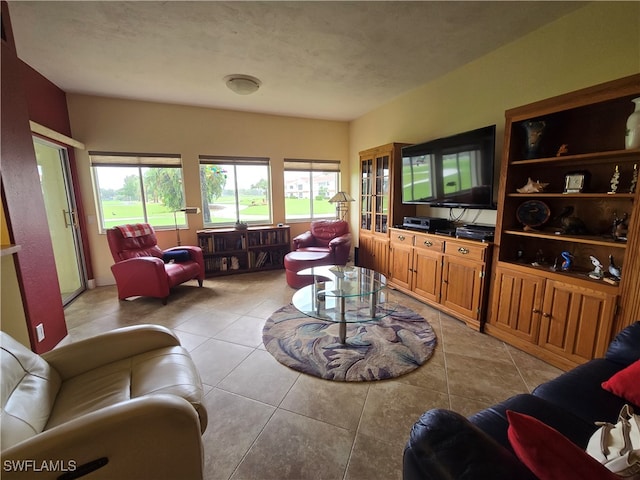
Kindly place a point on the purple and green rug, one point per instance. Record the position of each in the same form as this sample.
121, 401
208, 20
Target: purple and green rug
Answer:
386, 348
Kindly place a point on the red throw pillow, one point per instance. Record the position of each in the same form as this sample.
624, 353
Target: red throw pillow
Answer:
626, 383
548, 454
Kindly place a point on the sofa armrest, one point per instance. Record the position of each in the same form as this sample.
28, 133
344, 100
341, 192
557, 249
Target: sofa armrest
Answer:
493, 420
340, 248
625, 347
138, 269
196, 255
79, 357
156, 436
340, 241
305, 239
445, 445
141, 276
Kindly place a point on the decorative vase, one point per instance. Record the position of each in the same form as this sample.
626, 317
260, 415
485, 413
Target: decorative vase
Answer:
632, 137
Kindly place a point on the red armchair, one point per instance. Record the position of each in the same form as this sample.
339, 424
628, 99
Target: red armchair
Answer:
330, 236
144, 269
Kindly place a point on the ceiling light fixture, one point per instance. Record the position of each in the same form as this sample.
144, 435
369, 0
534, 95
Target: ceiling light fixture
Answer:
242, 84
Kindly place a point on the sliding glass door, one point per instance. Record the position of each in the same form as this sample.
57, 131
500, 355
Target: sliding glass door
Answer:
57, 190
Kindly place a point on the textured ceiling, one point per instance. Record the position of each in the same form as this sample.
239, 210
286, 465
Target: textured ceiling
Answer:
332, 60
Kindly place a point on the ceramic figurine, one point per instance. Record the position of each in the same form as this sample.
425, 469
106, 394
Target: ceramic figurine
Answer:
533, 187
620, 227
598, 268
615, 179
634, 179
539, 258
563, 150
615, 271
567, 261
534, 130
570, 225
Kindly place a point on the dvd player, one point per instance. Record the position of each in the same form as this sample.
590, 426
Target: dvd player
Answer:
426, 223
484, 233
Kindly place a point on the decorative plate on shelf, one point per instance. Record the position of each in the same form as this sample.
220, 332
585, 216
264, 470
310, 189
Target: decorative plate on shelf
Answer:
533, 213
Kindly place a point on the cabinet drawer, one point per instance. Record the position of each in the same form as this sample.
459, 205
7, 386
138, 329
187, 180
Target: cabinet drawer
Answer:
429, 243
402, 238
465, 250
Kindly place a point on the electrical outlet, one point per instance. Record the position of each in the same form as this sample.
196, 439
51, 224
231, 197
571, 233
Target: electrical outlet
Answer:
40, 332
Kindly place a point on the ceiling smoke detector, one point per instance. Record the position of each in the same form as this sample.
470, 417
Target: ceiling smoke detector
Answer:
242, 84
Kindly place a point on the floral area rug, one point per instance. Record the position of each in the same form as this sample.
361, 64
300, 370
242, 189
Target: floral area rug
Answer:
386, 348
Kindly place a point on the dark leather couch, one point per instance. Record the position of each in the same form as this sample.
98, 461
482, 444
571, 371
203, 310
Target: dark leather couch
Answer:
446, 445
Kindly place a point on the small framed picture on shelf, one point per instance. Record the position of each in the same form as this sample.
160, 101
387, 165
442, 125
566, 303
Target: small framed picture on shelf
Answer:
576, 182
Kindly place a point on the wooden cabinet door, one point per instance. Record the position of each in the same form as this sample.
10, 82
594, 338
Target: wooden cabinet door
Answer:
462, 282
381, 185
516, 303
427, 274
401, 265
365, 251
381, 255
576, 322
366, 193
373, 253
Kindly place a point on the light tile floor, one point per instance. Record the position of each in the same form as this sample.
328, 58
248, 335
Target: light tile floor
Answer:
267, 421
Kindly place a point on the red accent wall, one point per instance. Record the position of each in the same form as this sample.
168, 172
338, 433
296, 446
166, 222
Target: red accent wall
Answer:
47, 105
24, 205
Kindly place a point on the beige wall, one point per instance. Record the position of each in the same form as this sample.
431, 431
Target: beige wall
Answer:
597, 43
104, 124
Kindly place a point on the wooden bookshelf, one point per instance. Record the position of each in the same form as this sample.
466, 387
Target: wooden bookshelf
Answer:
228, 251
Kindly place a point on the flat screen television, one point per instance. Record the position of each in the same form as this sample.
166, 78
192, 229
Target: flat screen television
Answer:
454, 171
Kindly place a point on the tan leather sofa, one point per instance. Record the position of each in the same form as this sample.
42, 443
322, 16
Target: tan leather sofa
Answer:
123, 405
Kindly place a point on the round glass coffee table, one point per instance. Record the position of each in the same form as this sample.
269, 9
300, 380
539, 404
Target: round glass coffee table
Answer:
344, 294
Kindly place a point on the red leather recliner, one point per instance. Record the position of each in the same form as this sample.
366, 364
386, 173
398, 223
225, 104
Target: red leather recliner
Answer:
140, 269
326, 236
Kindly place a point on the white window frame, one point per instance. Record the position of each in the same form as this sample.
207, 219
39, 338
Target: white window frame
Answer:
311, 166
236, 161
139, 161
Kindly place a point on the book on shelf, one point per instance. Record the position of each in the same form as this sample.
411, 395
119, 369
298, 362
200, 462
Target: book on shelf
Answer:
261, 259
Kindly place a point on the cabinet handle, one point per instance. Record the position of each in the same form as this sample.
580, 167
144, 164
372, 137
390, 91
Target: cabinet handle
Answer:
546, 315
428, 243
463, 250
401, 238
535, 310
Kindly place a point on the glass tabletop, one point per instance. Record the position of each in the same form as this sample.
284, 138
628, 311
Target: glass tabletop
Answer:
346, 281
344, 294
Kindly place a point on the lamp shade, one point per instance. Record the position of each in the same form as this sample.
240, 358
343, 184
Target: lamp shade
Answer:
341, 197
190, 210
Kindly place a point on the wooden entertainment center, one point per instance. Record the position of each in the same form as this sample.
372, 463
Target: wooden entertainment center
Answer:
564, 316
517, 289
447, 273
